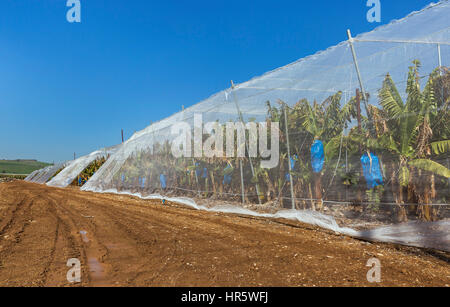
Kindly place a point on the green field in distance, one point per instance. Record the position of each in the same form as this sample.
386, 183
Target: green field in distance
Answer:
22, 167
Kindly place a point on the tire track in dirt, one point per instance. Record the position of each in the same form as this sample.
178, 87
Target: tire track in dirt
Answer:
13, 229
136, 233
244, 249
142, 243
112, 248
20, 209
44, 263
22, 243
138, 242
147, 249
89, 250
64, 248
52, 253
234, 249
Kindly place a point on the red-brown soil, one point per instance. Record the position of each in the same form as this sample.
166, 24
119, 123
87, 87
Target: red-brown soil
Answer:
125, 241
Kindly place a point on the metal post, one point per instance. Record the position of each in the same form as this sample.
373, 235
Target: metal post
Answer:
346, 168
289, 156
246, 144
448, 167
350, 40
122, 136
196, 177
439, 55
242, 182
153, 138
193, 161
440, 73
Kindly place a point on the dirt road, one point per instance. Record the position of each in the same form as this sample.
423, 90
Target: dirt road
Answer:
124, 241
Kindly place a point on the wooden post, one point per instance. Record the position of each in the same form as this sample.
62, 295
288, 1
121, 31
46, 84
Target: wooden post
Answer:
122, 136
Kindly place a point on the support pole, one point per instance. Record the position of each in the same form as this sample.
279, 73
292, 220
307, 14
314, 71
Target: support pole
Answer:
289, 156
358, 116
193, 161
196, 177
242, 182
358, 113
153, 138
346, 168
448, 167
439, 58
350, 41
122, 136
246, 144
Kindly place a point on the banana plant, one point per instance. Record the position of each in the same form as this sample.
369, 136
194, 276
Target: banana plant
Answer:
409, 139
325, 122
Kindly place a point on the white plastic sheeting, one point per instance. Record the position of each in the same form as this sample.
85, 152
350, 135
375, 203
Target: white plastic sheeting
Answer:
43, 175
70, 173
425, 36
31, 176
434, 235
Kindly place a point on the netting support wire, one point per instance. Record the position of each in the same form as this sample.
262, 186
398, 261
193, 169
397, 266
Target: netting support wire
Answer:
289, 155
246, 144
350, 41
242, 182
448, 167
399, 41
193, 160
196, 176
439, 58
442, 91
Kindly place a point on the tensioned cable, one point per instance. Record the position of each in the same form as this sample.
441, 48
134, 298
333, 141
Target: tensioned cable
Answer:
314, 199
367, 203
403, 42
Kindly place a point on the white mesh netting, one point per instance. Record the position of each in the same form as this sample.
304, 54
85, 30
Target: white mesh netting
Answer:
43, 175
380, 172
70, 173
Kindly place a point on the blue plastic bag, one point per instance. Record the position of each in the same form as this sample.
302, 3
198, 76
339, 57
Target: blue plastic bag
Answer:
227, 177
162, 180
372, 170
143, 182
198, 171
317, 156
205, 173
293, 160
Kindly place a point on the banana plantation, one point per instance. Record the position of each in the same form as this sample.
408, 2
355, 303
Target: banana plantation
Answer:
361, 133
391, 164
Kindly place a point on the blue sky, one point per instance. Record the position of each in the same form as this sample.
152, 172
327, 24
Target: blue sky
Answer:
71, 87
